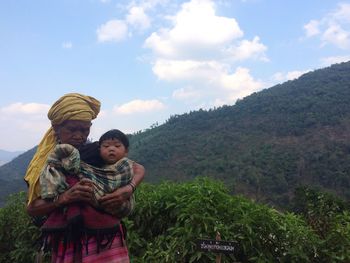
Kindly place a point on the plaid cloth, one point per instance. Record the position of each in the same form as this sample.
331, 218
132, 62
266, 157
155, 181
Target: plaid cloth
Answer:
65, 159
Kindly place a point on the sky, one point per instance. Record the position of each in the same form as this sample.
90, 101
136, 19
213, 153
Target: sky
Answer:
148, 60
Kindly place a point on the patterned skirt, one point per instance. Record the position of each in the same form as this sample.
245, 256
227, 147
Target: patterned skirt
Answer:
117, 252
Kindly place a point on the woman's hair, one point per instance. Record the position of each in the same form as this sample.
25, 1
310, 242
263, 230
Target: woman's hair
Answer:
115, 135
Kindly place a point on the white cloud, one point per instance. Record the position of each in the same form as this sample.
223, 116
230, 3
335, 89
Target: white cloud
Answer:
197, 23
19, 118
139, 106
114, 30
214, 81
186, 93
337, 36
197, 31
135, 19
67, 45
312, 28
333, 60
249, 49
21, 108
198, 50
239, 84
295, 74
138, 18
333, 28
342, 13
186, 69
280, 77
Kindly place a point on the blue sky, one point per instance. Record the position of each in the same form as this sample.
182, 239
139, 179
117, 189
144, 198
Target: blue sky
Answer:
146, 60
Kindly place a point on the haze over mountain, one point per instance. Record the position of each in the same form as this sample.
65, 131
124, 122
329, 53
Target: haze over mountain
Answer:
263, 147
6, 156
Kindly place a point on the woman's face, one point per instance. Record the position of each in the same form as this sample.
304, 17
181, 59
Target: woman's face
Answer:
73, 132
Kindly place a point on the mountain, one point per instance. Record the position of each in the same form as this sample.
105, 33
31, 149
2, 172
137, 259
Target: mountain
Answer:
6, 156
16, 168
264, 146
11, 175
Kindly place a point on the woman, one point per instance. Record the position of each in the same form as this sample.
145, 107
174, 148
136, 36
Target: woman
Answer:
71, 118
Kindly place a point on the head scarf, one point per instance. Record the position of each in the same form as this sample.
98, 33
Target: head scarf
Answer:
72, 106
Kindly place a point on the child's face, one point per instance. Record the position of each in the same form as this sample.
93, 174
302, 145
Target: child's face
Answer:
112, 150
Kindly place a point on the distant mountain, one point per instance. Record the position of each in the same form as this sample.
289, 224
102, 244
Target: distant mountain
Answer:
263, 147
6, 156
12, 173
16, 168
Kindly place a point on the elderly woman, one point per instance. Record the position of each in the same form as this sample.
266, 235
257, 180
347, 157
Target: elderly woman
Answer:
71, 118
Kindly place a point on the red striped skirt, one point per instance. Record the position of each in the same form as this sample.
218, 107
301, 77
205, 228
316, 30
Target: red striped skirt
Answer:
116, 253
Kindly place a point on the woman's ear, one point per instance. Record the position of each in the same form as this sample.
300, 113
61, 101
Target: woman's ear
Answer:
55, 129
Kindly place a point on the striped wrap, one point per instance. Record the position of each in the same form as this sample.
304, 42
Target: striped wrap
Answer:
65, 160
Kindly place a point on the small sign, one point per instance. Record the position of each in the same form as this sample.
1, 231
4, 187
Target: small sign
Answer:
216, 246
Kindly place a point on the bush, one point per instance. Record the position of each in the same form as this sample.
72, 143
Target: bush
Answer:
329, 217
336, 247
18, 235
170, 217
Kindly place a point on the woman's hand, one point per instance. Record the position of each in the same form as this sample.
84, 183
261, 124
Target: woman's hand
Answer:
115, 199
81, 191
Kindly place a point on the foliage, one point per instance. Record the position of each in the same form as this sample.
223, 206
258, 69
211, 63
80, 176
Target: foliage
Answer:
329, 216
170, 217
18, 235
337, 243
319, 208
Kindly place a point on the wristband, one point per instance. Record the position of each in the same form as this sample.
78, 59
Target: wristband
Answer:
133, 186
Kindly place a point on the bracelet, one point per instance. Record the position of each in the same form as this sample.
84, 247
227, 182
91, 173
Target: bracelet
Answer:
133, 186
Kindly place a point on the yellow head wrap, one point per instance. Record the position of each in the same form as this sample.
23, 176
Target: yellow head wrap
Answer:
72, 106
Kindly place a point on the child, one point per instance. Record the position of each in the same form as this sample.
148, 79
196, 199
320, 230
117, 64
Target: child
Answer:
113, 148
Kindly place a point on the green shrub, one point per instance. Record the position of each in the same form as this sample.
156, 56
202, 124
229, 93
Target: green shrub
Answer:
18, 235
170, 217
329, 216
337, 244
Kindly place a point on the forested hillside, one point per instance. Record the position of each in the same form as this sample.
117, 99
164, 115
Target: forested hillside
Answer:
263, 146
12, 173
